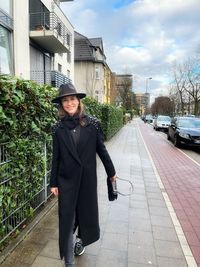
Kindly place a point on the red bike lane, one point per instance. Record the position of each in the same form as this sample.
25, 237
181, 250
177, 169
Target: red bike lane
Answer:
181, 179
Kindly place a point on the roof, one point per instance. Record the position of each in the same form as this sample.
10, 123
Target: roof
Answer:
84, 48
97, 42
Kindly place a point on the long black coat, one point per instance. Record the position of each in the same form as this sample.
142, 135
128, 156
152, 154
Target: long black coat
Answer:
74, 173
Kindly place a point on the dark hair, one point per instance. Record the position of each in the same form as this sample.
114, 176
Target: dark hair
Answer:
62, 113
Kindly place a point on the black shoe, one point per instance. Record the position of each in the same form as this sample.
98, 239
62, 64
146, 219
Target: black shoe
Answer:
79, 249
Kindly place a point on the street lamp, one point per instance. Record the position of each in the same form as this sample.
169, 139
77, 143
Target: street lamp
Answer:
146, 94
147, 79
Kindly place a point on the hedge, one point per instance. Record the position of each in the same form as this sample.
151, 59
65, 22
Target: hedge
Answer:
26, 119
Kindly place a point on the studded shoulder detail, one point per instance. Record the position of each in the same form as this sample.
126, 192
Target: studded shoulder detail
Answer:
95, 122
56, 126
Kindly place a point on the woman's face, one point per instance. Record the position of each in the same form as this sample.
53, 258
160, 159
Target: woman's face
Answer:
70, 104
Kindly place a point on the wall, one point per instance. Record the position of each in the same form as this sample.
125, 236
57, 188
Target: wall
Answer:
21, 38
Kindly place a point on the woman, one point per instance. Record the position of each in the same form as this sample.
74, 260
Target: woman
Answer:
76, 140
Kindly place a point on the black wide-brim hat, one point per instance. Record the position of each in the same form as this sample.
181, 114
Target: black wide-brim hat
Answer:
67, 90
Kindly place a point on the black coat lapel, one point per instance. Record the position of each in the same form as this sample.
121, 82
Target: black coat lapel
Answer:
67, 140
85, 134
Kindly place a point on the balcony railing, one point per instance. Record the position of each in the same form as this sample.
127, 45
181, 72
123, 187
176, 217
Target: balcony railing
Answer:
57, 79
6, 20
46, 27
41, 77
53, 78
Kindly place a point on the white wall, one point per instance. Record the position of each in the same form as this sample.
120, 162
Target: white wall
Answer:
63, 59
21, 39
85, 80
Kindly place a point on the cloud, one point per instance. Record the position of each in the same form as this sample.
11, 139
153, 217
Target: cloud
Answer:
142, 36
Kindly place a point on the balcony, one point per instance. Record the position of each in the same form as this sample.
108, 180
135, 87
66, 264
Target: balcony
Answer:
58, 78
47, 30
53, 78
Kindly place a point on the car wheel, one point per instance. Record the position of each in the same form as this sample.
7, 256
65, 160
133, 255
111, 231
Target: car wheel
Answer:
176, 141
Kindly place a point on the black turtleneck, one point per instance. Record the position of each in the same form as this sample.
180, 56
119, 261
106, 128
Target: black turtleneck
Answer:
72, 123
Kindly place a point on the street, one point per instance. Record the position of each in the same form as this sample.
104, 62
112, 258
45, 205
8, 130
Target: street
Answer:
193, 153
179, 171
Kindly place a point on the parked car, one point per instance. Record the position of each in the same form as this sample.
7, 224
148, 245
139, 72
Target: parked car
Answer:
162, 122
184, 131
148, 118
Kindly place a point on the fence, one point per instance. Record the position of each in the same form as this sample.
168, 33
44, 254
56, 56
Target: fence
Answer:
18, 202
50, 21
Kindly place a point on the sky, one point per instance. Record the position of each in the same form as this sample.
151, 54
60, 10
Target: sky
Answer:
141, 37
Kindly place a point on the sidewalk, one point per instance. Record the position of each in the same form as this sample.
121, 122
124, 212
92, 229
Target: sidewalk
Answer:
136, 231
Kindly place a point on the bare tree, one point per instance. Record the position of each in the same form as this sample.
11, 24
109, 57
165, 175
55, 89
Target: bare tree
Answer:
192, 87
162, 105
179, 82
185, 88
124, 88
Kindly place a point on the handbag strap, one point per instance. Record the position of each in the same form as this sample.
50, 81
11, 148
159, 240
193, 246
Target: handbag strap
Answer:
131, 189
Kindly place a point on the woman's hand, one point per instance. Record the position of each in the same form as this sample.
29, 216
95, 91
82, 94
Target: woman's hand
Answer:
113, 178
54, 190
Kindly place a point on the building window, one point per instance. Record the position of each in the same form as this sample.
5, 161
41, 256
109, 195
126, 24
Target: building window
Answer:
68, 74
69, 57
59, 67
6, 61
97, 73
68, 39
6, 6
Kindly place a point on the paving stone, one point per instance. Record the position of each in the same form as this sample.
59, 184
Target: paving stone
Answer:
94, 248
141, 254
168, 249
115, 241
138, 224
161, 221
116, 227
160, 211
118, 215
51, 249
156, 202
141, 238
154, 195
169, 262
138, 204
41, 235
139, 213
25, 253
164, 233
86, 260
14, 263
113, 258
133, 264
41, 261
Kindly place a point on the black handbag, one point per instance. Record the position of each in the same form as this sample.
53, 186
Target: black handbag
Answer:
112, 189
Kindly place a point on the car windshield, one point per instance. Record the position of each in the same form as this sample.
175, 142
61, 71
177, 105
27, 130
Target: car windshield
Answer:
149, 117
191, 123
163, 118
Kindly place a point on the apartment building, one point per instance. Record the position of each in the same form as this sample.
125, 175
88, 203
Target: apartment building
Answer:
90, 67
36, 41
141, 101
123, 85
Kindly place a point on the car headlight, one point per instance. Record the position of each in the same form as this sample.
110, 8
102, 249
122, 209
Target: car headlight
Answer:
184, 135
